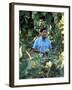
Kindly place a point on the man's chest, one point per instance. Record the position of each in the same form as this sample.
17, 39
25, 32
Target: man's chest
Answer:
43, 44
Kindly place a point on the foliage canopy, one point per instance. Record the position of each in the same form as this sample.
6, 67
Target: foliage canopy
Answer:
30, 62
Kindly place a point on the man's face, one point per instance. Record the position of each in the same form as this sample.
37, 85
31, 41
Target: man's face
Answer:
44, 33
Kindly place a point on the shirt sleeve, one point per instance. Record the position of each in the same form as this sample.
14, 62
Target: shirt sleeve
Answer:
35, 44
50, 46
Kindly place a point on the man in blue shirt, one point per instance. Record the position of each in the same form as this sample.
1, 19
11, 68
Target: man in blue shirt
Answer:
42, 43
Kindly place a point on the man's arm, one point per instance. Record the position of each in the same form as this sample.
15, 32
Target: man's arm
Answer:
35, 50
50, 45
35, 46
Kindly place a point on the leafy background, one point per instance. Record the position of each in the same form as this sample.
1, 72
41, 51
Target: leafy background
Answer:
30, 63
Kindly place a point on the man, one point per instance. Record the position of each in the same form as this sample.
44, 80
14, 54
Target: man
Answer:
42, 43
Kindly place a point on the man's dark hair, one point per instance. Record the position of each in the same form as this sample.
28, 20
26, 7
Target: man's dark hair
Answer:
41, 30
